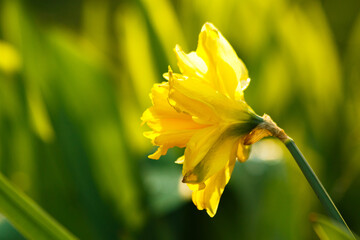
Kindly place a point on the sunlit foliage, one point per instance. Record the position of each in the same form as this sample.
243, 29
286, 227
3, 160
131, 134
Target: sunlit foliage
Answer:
74, 81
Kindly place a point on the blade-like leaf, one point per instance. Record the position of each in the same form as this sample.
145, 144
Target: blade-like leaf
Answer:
327, 229
27, 216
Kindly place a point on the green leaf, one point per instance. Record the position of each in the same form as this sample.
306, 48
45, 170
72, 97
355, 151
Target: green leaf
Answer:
27, 216
328, 229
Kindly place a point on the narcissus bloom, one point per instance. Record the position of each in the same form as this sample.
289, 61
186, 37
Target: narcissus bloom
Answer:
203, 109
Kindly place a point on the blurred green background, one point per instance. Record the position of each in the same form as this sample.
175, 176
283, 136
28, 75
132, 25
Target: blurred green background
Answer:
75, 77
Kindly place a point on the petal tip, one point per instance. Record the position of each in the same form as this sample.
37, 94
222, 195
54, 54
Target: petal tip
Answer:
180, 160
210, 31
177, 48
158, 153
170, 73
210, 212
242, 159
208, 26
245, 83
166, 76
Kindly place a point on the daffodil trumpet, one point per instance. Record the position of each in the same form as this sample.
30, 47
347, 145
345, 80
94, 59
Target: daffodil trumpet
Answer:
203, 110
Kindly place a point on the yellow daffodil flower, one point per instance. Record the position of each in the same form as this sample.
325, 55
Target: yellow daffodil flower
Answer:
203, 109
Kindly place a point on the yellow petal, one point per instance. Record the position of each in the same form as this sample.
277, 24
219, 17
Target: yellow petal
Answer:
256, 135
158, 96
203, 109
209, 197
190, 64
158, 153
170, 128
226, 70
196, 186
207, 152
199, 99
243, 151
180, 160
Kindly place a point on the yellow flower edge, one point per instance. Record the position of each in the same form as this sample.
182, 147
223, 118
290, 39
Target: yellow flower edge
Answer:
203, 109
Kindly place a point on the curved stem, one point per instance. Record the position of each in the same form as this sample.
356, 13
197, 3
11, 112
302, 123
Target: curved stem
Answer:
273, 130
315, 183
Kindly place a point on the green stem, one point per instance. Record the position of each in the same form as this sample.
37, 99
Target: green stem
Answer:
269, 127
315, 183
